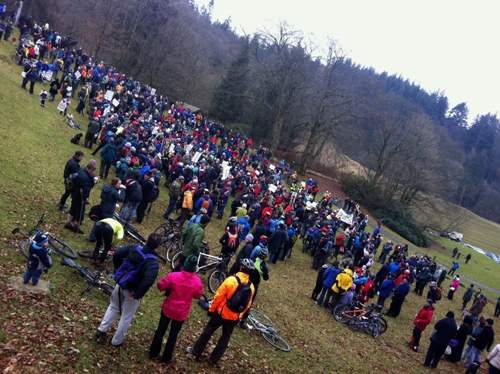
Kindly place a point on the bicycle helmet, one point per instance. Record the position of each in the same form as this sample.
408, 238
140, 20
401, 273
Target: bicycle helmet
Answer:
263, 238
247, 263
232, 219
262, 253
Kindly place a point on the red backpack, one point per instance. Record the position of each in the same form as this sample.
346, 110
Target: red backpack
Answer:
206, 204
233, 241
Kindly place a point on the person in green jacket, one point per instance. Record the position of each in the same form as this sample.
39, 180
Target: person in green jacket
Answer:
192, 238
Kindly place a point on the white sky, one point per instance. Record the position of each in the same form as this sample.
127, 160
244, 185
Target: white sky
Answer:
445, 45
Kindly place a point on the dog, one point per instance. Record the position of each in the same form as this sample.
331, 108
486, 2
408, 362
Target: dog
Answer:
76, 139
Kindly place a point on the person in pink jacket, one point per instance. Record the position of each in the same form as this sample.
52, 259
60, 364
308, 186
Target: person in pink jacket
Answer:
181, 288
453, 287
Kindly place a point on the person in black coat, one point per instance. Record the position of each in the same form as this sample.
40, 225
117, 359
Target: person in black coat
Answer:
276, 241
257, 232
484, 340
382, 274
72, 167
147, 186
126, 301
83, 184
133, 197
463, 331
445, 331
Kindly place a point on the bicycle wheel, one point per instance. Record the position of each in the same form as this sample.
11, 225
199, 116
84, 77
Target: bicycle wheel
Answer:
88, 253
175, 260
340, 313
275, 340
373, 329
215, 279
259, 317
172, 249
382, 325
162, 230
62, 247
25, 248
354, 323
13, 56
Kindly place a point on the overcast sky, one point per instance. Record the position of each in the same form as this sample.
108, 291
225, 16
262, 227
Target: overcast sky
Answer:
451, 46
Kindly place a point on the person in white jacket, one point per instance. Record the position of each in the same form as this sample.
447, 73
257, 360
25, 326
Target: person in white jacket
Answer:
494, 360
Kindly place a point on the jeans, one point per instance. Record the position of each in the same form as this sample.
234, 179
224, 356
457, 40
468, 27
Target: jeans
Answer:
213, 325
220, 211
474, 356
273, 257
170, 208
465, 353
119, 297
133, 208
155, 348
325, 291
33, 275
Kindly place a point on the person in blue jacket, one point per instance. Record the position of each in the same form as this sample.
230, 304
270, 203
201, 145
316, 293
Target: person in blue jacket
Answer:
38, 260
329, 277
385, 291
398, 298
445, 331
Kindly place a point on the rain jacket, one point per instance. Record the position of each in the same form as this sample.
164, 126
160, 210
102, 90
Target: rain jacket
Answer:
225, 292
343, 282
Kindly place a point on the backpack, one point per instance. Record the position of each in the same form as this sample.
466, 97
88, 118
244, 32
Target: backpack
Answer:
438, 294
373, 292
206, 204
70, 182
126, 274
153, 195
233, 241
33, 262
241, 228
241, 297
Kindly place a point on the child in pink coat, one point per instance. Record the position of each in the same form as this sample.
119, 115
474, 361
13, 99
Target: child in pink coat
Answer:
453, 287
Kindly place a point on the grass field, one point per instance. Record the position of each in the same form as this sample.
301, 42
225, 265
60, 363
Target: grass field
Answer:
54, 334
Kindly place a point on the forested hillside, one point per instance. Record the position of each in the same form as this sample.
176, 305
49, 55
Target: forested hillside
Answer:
296, 96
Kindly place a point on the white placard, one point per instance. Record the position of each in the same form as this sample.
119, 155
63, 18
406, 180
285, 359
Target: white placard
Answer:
344, 217
109, 95
196, 157
78, 75
272, 167
257, 173
153, 91
106, 111
172, 147
272, 188
62, 105
115, 102
225, 170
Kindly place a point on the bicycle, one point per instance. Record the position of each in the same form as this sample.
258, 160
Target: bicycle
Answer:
93, 279
59, 246
133, 233
171, 239
89, 253
308, 244
344, 313
262, 323
206, 262
368, 323
15, 57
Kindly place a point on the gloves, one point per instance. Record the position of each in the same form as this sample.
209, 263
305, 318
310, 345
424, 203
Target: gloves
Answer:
46, 270
210, 314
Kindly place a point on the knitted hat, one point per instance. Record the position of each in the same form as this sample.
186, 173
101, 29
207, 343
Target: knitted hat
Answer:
41, 239
249, 237
190, 264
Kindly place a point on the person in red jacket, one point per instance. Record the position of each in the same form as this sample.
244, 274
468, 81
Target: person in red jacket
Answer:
182, 287
366, 289
422, 319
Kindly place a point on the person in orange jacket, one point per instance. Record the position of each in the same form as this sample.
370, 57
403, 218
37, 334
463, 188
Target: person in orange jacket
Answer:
221, 315
422, 319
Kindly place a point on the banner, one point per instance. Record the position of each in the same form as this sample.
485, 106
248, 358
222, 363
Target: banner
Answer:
344, 217
62, 105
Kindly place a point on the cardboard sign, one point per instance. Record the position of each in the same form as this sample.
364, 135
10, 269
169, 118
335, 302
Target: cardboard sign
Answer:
272, 188
77, 75
62, 105
196, 157
172, 147
115, 102
344, 217
153, 91
109, 95
106, 111
225, 170
272, 167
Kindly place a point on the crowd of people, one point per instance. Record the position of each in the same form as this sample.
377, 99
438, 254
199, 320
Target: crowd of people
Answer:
149, 141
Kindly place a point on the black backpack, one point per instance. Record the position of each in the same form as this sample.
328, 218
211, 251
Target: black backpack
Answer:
241, 297
154, 194
71, 181
95, 213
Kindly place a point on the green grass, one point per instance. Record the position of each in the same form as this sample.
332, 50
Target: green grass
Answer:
54, 334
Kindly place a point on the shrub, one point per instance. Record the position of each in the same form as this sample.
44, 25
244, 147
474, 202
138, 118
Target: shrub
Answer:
396, 216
